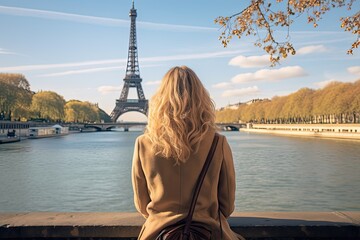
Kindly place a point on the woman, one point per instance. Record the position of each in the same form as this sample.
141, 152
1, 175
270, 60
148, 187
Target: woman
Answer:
169, 157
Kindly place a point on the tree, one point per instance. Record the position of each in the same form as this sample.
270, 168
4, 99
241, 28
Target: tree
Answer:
298, 105
336, 103
104, 116
49, 105
355, 103
15, 95
77, 111
263, 15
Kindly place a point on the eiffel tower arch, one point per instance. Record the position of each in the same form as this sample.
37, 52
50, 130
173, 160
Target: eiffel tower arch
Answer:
132, 78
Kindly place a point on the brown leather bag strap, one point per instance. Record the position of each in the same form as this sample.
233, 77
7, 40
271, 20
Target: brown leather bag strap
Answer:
199, 182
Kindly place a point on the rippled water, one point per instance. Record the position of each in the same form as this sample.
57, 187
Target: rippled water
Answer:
91, 172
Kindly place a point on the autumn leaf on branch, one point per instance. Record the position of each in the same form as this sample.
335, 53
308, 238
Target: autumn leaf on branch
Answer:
261, 18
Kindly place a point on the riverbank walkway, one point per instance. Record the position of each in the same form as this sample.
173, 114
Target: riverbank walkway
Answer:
335, 131
117, 225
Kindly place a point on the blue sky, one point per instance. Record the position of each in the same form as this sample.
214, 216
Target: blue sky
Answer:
78, 48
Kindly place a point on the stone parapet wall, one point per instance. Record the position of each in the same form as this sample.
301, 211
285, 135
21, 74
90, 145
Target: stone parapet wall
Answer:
117, 225
337, 131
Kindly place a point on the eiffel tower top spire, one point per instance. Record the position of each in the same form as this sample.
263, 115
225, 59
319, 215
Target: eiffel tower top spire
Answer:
132, 68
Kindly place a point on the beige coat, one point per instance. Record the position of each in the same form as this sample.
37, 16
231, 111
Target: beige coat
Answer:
163, 190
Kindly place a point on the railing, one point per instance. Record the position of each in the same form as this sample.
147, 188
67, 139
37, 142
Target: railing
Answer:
252, 225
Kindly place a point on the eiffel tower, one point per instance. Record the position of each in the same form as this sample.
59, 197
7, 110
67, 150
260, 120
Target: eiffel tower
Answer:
132, 78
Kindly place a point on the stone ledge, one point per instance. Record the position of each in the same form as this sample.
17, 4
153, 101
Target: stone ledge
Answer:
117, 225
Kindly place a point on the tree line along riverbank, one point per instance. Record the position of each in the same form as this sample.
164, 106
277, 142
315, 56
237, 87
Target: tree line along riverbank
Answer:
18, 102
338, 102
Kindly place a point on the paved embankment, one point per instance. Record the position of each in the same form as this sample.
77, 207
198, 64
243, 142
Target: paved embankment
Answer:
252, 225
336, 131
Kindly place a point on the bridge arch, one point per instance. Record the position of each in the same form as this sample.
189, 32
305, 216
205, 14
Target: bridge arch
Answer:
97, 128
230, 128
132, 116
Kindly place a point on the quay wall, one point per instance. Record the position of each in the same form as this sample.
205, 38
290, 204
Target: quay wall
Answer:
21, 128
117, 225
338, 131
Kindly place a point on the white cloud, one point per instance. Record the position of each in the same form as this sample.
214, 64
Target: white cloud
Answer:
270, 74
241, 92
28, 12
311, 49
324, 83
152, 82
223, 85
109, 89
251, 61
354, 70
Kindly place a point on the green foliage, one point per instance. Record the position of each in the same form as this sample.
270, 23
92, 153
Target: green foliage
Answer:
17, 100
76, 111
49, 105
336, 103
263, 18
15, 95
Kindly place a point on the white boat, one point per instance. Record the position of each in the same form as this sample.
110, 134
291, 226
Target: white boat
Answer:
42, 132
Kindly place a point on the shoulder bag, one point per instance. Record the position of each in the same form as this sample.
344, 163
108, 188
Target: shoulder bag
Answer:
186, 229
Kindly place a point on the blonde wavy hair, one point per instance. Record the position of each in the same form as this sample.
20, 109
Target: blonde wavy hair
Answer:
180, 114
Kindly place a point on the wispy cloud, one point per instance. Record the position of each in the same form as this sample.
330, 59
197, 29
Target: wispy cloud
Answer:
93, 70
354, 70
311, 49
194, 56
81, 71
336, 39
324, 83
270, 74
149, 83
241, 92
29, 12
223, 85
7, 52
173, 27
3, 51
251, 61
109, 89
54, 15
206, 55
61, 65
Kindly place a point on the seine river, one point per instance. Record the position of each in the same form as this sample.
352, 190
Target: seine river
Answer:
91, 172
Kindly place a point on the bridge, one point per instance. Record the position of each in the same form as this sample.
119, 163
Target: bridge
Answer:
231, 126
105, 126
109, 126
127, 125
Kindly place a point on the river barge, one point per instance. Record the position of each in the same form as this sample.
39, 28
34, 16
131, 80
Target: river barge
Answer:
44, 132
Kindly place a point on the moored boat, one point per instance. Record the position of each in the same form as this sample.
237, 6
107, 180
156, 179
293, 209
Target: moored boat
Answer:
9, 140
43, 132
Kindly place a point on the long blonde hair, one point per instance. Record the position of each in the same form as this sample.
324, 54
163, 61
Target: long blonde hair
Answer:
180, 114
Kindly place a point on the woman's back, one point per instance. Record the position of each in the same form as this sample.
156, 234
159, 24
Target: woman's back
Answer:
169, 157
163, 190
